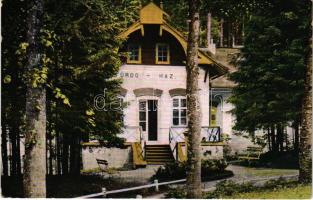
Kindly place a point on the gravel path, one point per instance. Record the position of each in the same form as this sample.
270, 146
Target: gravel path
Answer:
140, 175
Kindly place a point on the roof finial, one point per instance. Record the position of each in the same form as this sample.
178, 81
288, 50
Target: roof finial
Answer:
161, 4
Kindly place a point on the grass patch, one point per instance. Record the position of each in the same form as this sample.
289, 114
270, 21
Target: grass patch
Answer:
266, 172
272, 189
299, 192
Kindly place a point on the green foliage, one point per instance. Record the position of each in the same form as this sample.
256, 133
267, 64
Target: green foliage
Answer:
213, 165
80, 56
13, 54
273, 160
170, 171
234, 12
228, 188
80, 40
296, 192
177, 193
272, 68
210, 169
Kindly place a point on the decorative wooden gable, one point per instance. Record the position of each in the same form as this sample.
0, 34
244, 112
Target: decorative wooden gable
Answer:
151, 14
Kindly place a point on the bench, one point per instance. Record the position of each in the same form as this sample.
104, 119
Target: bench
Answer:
104, 167
252, 153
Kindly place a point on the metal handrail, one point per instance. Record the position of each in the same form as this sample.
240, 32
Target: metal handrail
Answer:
173, 143
142, 143
170, 137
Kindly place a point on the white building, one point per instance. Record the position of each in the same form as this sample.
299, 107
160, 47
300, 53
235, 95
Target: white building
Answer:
154, 87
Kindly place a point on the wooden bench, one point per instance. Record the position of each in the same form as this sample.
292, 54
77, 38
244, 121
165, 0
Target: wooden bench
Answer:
104, 167
252, 153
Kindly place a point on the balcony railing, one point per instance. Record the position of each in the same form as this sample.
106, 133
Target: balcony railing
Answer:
211, 134
208, 134
131, 133
177, 135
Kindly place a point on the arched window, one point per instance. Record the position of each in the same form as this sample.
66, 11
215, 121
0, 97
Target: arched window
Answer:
179, 117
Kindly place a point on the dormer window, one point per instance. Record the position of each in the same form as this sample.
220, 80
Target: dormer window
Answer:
134, 54
162, 54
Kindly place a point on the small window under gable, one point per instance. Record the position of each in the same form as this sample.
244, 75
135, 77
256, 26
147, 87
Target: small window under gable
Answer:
162, 54
134, 54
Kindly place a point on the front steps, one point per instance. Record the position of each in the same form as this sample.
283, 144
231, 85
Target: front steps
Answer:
158, 154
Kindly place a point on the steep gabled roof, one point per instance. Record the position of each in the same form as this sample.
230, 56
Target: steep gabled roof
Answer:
152, 14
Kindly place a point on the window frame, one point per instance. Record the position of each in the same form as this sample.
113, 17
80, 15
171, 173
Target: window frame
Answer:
157, 53
145, 111
139, 54
180, 108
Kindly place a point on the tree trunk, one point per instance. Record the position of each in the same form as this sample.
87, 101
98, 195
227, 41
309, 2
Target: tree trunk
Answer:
208, 34
4, 150
229, 35
51, 153
65, 155
280, 137
35, 137
221, 33
296, 140
193, 105
305, 155
75, 156
58, 152
12, 137
18, 155
273, 138
15, 140
269, 139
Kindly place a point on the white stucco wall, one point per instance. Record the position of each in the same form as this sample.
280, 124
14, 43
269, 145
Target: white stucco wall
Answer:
116, 157
226, 120
213, 152
165, 78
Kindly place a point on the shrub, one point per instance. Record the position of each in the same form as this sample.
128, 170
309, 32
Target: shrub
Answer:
214, 169
170, 171
213, 165
273, 159
177, 193
228, 188
279, 183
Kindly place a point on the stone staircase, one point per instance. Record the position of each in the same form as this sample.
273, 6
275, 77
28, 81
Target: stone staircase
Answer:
159, 154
